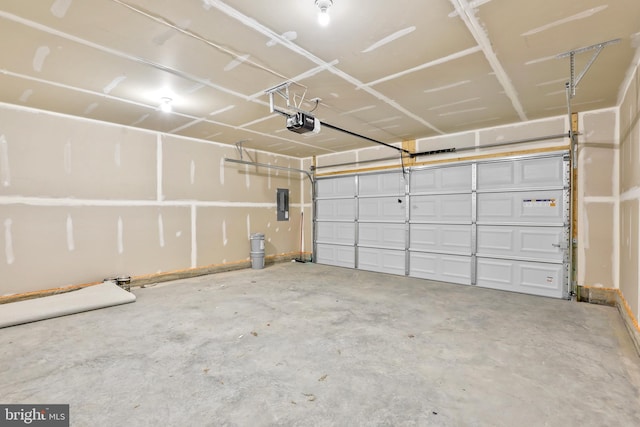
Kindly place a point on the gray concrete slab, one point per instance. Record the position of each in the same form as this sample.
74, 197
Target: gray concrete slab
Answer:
310, 345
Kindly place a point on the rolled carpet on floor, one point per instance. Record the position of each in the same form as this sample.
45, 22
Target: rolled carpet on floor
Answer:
103, 295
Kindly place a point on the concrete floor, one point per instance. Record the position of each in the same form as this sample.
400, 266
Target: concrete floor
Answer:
310, 345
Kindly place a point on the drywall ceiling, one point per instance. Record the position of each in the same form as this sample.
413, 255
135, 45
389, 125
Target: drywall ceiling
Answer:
389, 70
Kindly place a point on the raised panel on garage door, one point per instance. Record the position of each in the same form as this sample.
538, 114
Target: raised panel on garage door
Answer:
381, 235
524, 173
534, 278
539, 243
531, 207
336, 232
336, 209
381, 209
381, 260
336, 187
440, 267
340, 256
441, 208
381, 184
442, 179
450, 238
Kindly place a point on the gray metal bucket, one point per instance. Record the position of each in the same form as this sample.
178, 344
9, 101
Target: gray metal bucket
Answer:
257, 251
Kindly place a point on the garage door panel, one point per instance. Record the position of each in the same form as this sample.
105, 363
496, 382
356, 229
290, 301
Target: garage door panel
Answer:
382, 235
455, 178
531, 173
541, 207
382, 260
546, 171
336, 187
497, 223
440, 267
340, 256
335, 232
378, 184
441, 208
441, 237
521, 276
339, 209
382, 209
523, 242
496, 175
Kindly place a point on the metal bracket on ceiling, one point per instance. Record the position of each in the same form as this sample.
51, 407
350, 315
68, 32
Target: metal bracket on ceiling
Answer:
573, 80
239, 146
290, 96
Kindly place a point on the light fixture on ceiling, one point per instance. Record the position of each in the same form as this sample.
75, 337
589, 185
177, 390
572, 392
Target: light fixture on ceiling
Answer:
323, 15
165, 104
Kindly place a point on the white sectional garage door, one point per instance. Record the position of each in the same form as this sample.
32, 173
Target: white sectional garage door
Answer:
501, 224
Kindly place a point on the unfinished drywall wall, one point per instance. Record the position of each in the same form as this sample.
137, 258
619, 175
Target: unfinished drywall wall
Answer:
597, 189
82, 200
629, 182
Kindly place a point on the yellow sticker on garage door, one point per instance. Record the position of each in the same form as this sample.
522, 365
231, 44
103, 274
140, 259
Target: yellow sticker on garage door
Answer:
539, 203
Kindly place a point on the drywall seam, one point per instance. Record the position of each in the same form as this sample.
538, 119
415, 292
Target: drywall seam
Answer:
8, 242
40, 56
225, 241
630, 75
117, 155
301, 205
113, 84
187, 125
59, 8
467, 14
161, 231
631, 194
5, 172
24, 98
388, 39
120, 235
598, 199
159, 163
616, 206
73, 202
70, 239
582, 15
439, 61
194, 241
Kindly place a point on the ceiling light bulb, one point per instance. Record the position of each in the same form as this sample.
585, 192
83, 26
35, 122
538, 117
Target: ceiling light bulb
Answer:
323, 16
165, 105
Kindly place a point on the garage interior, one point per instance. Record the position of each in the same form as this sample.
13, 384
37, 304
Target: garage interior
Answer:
417, 213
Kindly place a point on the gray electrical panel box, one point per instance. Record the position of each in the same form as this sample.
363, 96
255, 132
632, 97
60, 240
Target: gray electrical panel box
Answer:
283, 204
